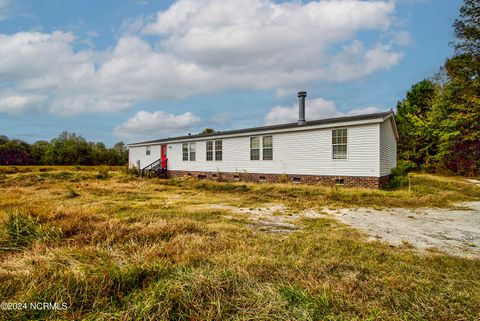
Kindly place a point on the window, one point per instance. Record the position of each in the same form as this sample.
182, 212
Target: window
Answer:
188, 151
147, 150
254, 148
185, 151
192, 151
218, 150
209, 150
138, 164
267, 148
339, 143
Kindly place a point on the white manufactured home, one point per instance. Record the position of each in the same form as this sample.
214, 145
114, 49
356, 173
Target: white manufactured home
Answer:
353, 151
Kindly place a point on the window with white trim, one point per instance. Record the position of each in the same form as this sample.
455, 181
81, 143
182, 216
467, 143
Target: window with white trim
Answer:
254, 148
339, 143
218, 150
192, 151
209, 150
267, 144
147, 150
185, 151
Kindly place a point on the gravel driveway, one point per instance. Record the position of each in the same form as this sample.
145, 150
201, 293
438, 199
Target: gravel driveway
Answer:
455, 232
452, 231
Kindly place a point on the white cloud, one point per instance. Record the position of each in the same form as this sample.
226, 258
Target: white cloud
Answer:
354, 61
362, 111
28, 55
201, 46
16, 104
145, 124
314, 109
317, 108
248, 38
402, 38
132, 25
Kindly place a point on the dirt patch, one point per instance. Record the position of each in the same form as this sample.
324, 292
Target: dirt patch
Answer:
452, 231
455, 232
473, 181
273, 218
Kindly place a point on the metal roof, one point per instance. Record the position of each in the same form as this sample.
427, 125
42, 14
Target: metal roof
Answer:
325, 121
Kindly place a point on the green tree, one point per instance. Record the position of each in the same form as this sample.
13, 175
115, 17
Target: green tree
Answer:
38, 150
208, 131
456, 110
14, 152
416, 143
467, 28
439, 123
3, 139
121, 150
68, 149
98, 154
455, 117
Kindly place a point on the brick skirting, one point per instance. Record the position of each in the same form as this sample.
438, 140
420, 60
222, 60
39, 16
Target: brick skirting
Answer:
349, 181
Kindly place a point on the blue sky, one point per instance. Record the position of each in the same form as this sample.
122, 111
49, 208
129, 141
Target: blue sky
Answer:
133, 70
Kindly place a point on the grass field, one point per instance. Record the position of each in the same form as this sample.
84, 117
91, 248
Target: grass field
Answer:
113, 246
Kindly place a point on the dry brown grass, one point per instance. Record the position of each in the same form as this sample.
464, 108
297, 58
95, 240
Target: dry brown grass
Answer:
123, 248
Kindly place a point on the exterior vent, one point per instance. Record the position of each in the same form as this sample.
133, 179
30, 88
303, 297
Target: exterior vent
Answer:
301, 107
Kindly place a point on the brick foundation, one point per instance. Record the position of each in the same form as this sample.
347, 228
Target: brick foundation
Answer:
349, 181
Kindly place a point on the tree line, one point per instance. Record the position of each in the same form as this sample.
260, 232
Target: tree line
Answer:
439, 120
66, 149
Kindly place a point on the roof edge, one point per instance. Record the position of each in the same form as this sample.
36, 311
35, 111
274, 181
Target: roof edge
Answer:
326, 121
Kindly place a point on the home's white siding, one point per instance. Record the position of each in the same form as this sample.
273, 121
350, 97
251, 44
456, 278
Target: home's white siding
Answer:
139, 154
306, 152
388, 147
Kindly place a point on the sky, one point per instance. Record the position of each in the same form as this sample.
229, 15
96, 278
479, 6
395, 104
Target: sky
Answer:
133, 70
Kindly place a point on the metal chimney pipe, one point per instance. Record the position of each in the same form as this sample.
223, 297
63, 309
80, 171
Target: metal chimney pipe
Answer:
301, 107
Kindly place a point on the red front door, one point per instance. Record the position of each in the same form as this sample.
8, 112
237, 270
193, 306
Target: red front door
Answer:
164, 155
